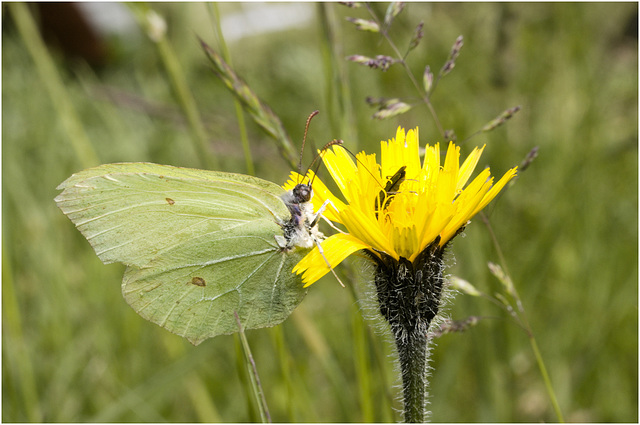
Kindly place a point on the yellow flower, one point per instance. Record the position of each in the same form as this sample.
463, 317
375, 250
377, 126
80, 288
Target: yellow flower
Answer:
424, 204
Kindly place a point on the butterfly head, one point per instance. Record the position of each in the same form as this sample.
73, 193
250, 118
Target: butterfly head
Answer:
301, 193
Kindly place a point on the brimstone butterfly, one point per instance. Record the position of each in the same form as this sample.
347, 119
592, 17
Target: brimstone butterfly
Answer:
198, 245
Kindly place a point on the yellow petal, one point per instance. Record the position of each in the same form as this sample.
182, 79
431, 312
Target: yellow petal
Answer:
468, 166
466, 204
336, 248
496, 189
447, 181
367, 230
294, 179
341, 168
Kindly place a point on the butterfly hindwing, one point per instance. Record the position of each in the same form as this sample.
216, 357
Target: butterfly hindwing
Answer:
198, 301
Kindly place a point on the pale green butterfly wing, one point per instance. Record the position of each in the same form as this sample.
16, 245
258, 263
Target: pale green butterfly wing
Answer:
199, 301
199, 244
130, 213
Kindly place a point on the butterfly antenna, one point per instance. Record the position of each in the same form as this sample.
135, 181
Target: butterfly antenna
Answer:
384, 189
334, 142
304, 139
338, 142
361, 163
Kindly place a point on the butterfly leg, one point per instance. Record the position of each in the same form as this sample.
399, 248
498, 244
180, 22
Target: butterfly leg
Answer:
319, 215
321, 210
327, 262
333, 226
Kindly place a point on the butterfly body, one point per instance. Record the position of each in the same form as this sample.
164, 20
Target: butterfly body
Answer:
301, 229
198, 245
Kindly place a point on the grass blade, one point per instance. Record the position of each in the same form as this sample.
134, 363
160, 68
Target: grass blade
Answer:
55, 88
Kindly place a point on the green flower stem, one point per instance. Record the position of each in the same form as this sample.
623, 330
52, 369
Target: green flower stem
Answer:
412, 353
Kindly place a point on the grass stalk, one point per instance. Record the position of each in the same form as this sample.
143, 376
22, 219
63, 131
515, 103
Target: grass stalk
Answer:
259, 111
319, 346
186, 101
153, 24
254, 378
243, 376
203, 404
212, 7
402, 59
338, 92
12, 331
284, 358
362, 365
519, 315
545, 377
53, 82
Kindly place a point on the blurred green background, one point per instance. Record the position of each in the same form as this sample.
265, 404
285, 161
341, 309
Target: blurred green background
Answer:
73, 351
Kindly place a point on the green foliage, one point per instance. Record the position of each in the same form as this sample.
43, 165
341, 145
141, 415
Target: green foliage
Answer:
73, 351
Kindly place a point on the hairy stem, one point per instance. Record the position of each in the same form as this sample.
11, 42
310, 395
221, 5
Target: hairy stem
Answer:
409, 296
412, 353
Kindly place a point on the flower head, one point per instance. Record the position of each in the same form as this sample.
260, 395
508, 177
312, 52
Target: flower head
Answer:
399, 207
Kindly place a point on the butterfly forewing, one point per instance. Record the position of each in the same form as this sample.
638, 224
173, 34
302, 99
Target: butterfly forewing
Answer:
135, 212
